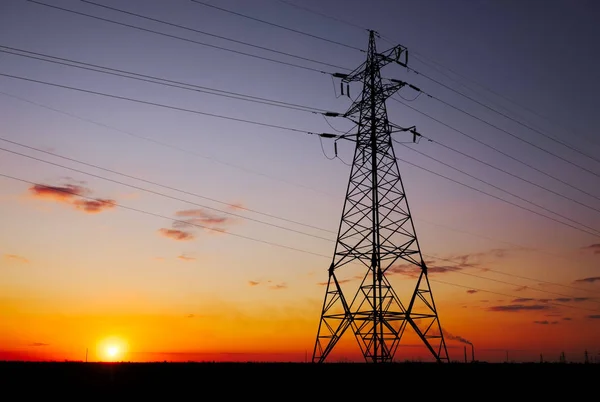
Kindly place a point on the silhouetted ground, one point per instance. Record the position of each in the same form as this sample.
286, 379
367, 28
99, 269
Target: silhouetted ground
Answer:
315, 381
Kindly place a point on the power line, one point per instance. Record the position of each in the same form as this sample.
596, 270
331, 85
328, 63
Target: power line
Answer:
289, 3
323, 150
507, 295
467, 96
242, 168
418, 56
160, 194
540, 251
496, 149
510, 174
262, 100
278, 26
164, 144
221, 202
511, 134
520, 277
157, 104
503, 190
460, 183
178, 199
291, 129
159, 185
161, 81
335, 129
225, 212
165, 217
213, 35
214, 200
501, 114
179, 37
187, 84
114, 204
501, 199
457, 270
497, 94
438, 69
239, 167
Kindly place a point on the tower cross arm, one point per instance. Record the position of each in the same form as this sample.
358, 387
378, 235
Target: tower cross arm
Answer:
398, 54
386, 90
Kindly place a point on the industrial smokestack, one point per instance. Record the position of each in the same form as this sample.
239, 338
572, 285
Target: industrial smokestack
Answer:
463, 340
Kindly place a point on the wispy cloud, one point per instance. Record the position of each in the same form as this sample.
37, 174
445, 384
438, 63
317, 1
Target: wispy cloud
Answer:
592, 248
413, 270
590, 279
515, 308
567, 319
522, 300
71, 194
236, 206
546, 322
63, 193
17, 258
564, 299
340, 281
94, 206
557, 299
189, 220
176, 234
521, 288
186, 258
38, 344
271, 285
474, 260
202, 218
453, 264
495, 252
472, 291
594, 316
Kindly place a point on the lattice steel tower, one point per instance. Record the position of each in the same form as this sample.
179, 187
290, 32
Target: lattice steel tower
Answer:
377, 230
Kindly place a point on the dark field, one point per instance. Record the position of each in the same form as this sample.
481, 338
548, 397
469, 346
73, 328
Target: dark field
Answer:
335, 379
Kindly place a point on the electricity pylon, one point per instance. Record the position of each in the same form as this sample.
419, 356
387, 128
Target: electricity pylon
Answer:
377, 231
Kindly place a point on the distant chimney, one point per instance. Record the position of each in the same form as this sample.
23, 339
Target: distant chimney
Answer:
472, 353
465, 354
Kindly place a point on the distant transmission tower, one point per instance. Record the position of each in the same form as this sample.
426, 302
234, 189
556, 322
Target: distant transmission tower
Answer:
376, 231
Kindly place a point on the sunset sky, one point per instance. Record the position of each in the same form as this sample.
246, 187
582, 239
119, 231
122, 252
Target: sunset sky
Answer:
140, 232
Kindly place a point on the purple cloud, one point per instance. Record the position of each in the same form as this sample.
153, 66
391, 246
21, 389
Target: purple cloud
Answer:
591, 279
515, 308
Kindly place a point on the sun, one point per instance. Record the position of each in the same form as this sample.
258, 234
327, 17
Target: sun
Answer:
112, 349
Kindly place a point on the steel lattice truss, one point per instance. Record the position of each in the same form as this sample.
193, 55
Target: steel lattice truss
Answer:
376, 230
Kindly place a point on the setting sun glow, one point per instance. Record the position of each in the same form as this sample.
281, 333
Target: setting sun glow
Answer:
111, 349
